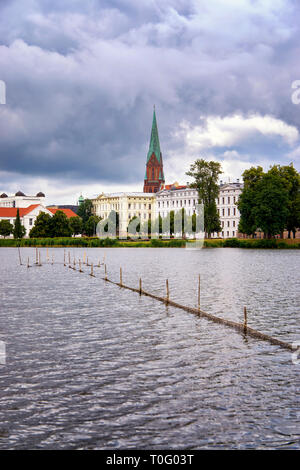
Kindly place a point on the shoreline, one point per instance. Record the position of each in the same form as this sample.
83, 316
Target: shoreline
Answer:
154, 243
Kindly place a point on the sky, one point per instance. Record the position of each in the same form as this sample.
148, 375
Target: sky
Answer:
82, 79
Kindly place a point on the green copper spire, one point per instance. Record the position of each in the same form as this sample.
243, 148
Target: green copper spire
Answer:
154, 141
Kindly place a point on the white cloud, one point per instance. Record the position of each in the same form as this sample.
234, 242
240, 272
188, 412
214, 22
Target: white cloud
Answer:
227, 131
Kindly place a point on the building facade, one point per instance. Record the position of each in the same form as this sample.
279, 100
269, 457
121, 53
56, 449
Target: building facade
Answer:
29, 214
21, 200
227, 209
154, 175
127, 205
175, 198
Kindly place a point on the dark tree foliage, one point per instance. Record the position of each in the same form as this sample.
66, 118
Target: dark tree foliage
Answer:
85, 210
19, 230
270, 201
6, 228
206, 175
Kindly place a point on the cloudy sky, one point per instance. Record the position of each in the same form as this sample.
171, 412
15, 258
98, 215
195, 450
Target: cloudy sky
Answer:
82, 78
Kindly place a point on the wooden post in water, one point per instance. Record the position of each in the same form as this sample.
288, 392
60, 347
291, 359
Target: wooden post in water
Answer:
64, 257
74, 264
40, 261
168, 292
121, 281
140, 286
199, 291
69, 259
87, 261
52, 260
28, 265
105, 271
20, 259
99, 264
36, 256
80, 270
92, 270
245, 319
84, 254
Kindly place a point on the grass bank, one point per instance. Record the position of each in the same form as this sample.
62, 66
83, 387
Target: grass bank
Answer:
107, 242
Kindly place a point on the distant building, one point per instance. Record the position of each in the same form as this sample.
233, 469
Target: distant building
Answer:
21, 200
175, 197
227, 209
154, 175
127, 205
29, 214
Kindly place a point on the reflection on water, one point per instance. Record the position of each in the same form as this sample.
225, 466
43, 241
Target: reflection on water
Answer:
90, 365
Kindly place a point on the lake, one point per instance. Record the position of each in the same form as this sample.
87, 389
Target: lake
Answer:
92, 366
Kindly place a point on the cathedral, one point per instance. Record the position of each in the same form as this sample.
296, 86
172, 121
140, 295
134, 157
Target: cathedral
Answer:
154, 176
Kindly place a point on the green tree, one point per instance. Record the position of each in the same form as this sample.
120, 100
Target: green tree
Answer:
206, 175
85, 210
290, 178
76, 225
19, 230
6, 228
271, 205
247, 200
91, 225
42, 226
59, 225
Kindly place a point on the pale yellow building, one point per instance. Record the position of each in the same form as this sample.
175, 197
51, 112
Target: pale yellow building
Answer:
127, 205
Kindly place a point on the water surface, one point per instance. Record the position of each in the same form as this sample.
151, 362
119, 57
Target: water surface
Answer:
93, 366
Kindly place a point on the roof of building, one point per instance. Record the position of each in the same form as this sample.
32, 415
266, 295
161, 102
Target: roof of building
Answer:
3, 195
12, 211
124, 194
68, 212
19, 193
40, 194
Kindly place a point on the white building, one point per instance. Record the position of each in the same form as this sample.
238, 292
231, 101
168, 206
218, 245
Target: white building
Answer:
21, 200
227, 209
29, 214
127, 205
175, 197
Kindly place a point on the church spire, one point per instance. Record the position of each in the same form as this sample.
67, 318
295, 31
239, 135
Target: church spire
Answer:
154, 146
154, 176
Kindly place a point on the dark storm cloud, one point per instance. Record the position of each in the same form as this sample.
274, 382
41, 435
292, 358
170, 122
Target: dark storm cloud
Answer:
82, 78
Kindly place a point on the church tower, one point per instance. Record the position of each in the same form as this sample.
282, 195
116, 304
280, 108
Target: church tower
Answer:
154, 176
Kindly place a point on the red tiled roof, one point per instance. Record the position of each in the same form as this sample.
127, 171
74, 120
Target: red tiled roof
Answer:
172, 186
69, 213
12, 211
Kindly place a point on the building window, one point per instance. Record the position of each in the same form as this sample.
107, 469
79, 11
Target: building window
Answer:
233, 233
233, 223
30, 221
228, 211
223, 212
223, 200
234, 211
228, 199
228, 223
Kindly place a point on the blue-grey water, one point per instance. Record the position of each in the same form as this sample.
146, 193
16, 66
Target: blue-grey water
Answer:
92, 366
